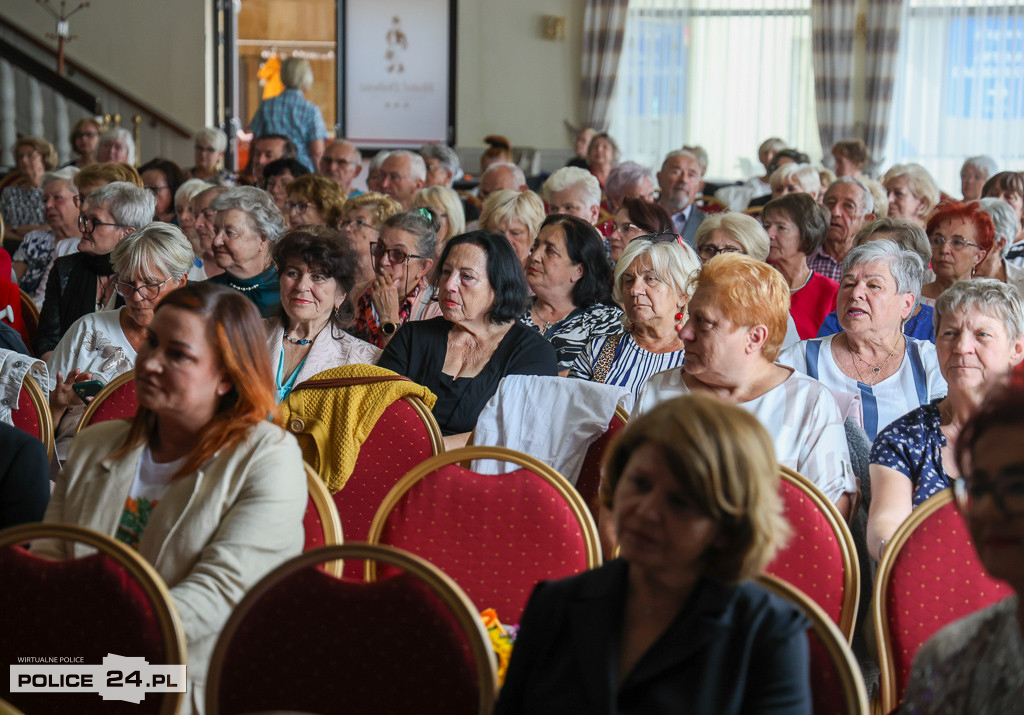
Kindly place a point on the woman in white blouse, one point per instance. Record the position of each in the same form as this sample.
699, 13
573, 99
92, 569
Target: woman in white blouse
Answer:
737, 321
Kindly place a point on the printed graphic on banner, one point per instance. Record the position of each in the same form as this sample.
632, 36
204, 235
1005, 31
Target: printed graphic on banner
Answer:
118, 678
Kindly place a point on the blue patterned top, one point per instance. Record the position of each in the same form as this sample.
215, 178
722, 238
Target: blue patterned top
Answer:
912, 445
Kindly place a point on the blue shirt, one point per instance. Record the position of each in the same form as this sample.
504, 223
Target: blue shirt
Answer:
294, 116
920, 326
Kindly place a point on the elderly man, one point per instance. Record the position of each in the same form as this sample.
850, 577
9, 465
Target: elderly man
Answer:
292, 115
402, 174
342, 162
680, 180
850, 206
573, 191
265, 149
501, 175
443, 166
37, 250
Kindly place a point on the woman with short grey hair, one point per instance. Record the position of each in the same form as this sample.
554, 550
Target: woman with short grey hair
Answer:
995, 265
247, 225
148, 265
117, 145
890, 372
210, 145
979, 338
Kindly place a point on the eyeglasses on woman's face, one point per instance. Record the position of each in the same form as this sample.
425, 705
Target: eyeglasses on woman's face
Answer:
355, 223
88, 225
395, 255
300, 206
146, 291
710, 250
957, 243
1007, 489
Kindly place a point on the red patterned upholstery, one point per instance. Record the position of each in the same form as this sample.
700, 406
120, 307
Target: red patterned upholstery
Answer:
313, 526
306, 641
929, 580
812, 559
116, 405
85, 607
25, 417
497, 536
398, 442
590, 473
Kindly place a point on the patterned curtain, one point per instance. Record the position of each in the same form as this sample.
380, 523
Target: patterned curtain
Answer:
884, 23
604, 25
833, 23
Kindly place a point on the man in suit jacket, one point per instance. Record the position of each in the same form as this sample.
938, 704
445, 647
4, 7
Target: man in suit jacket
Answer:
680, 180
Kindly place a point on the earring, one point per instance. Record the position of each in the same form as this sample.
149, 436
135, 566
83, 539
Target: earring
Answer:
679, 321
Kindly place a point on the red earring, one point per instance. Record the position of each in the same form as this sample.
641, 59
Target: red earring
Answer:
679, 321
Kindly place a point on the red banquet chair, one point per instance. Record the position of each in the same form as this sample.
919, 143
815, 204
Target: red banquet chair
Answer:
837, 686
111, 601
115, 401
33, 413
820, 558
589, 481
929, 577
320, 523
496, 535
303, 640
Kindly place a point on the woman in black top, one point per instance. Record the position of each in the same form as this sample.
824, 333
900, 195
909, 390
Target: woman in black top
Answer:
462, 355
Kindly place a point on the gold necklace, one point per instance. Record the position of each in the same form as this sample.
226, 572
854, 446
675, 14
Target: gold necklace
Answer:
875, 369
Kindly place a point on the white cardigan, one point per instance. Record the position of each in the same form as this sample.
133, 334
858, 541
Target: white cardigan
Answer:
326, 352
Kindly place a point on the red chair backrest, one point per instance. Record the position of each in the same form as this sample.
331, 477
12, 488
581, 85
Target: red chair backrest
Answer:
497, 536
936, 578
397, 443
25, 417
119, 404
589, 480
313, 526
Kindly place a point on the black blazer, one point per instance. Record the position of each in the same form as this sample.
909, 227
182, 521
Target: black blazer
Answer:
733, 649
70, 294
24, 477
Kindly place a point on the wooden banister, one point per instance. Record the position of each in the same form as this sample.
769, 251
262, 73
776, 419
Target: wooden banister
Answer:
44, 74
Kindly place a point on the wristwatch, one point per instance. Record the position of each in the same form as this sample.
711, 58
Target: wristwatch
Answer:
389, 328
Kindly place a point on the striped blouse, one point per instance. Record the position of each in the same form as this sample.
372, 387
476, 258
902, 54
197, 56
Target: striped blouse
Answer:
631, 364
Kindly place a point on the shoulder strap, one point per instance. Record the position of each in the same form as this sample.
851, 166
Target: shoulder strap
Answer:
314, 384
605, 357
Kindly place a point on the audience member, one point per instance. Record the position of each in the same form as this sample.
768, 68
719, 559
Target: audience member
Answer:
961, 235
116, 145
636, 217
731, 232
973, 175
680, 181
373, 173
628, 180
21, 202
85, 139
363, 217
403, 173
447, 208
500, 176
912, 192
1006, 225
516, 215
162, 178
575, 192
851, 156
602, 156
100, 174
205, 220
499, 150
314, 200
35, 253
276, 177
850, 205
186, 220
210, 145
292, 115
443, 166
1009, 186
342, 162
795, 178
24, 477
738, 197
580, 145
265, 149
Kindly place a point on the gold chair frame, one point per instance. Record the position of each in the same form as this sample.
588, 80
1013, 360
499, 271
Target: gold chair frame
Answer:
172, 633
466, 455
434, 429
453, 597
848, 550
42, 407
28, 306
94, 404
834, 641
328, 512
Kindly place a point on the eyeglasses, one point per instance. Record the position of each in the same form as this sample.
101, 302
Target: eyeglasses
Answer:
710, 250
1007, 489
88, 225
357, 223
958, 244
81, 135
302, 206
77, 200
205, 149
396, 255
146, 291
659, 238
623, 227
156, 189
331, 162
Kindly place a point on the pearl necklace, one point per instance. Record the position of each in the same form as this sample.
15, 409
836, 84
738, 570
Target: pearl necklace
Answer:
243, 289
296, 341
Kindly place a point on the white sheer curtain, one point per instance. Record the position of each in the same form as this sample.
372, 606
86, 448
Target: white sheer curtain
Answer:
724, 74
959, 87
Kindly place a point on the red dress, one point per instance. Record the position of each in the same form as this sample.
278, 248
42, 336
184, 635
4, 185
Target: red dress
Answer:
812, 303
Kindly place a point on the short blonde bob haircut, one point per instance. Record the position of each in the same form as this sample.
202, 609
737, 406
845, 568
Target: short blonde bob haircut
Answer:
920, 183
723, 460
673, 264
157, 248
324, 192
510, 205
107, 173
381, 206
744, 230
749, 292
442, 200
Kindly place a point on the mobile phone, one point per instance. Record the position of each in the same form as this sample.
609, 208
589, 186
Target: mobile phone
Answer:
88, 388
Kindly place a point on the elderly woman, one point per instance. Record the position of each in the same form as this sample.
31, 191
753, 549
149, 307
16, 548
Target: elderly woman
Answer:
973, 175
1006, 226
570, 278
100, 174
629, 180
85, 138
965, 667
448, 212
872, 358
1009, 186
402, 257
673, 624
162, 178
245, 229
317, 270
117, 145
912, 192
979, 336
313, 200
961, 235
730, 232
83, 282
850, 158
795, 178
602, 156
362, 218
35, 253
796, 226
21, 202
149, 264
737, 321
516, 215
910, 237
292, 115
636, 217
652, 279
462, 355
205, 218
186, 221
207, 489
210, 145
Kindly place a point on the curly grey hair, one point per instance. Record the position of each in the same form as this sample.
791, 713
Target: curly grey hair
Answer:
264, 216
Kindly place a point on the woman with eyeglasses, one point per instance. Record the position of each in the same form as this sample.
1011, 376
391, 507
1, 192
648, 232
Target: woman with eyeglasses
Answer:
362, 218
313, 200
637, 217
83, 282
796, 226
402, 257
973, 664
731, 232
210, 145
148, 264
652, 285
961, 235
979, 337
85, 139
569, 275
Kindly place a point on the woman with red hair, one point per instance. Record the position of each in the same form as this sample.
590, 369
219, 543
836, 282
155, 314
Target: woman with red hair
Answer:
961, 235
200, 482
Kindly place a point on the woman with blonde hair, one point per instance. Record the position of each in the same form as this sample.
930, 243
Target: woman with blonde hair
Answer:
21, 202
314, 200
362, 218
517, 215
912, 191
731, 232
673, 624
448, 212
